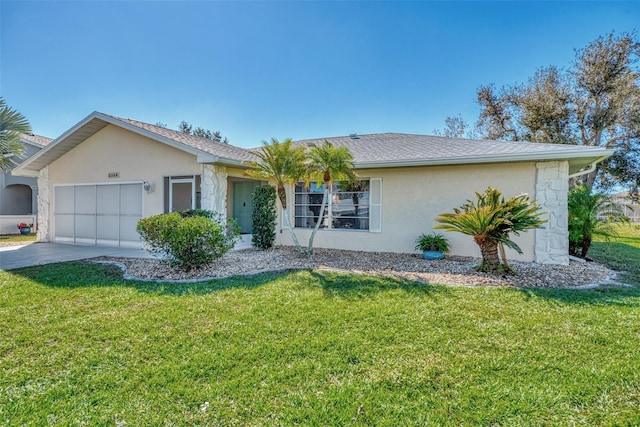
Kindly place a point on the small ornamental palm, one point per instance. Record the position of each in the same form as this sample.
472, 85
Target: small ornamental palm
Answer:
490, 221
12, 126
282, 164
328, 164
590, 214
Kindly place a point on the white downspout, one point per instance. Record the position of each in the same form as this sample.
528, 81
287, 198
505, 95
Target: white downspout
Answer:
590, 169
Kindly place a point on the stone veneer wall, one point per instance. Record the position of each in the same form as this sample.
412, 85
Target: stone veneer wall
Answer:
552, 187
44, 199
213, 189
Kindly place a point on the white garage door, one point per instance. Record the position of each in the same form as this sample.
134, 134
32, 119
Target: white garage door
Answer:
98, 214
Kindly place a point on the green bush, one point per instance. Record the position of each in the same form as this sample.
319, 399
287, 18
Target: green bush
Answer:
264, 216
190, 239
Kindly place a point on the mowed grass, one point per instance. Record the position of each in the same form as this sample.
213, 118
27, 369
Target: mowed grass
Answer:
81, 346
17, 238
621, 252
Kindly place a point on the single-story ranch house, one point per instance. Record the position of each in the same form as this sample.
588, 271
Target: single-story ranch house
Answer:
105, 173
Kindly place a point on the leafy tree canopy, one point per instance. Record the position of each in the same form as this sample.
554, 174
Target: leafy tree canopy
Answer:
202, 132
596, 102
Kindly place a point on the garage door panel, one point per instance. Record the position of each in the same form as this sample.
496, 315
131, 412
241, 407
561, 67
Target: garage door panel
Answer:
64, 227
131, 199
108, 199
128, 228
107, 227
85, 200
63, 200
85, 227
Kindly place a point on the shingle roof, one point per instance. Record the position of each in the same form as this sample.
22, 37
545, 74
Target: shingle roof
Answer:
399, 149
382, 150
38, 140
219, 149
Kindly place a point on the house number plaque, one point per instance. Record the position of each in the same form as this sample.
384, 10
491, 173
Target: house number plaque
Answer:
113, 174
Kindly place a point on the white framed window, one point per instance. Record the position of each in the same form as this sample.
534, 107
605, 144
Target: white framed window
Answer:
181, 193
350, 206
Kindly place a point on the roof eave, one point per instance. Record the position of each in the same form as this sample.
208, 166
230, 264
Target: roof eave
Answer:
19, 171
592, 155
223, 161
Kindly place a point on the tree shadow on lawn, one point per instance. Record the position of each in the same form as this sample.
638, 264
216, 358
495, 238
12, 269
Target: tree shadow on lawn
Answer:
360, 286
620, 256
82, 274
610, 295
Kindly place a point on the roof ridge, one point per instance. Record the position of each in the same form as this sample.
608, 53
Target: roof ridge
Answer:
165, 129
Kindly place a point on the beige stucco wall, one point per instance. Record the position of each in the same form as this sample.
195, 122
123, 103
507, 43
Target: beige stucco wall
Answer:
134, 157
412, 197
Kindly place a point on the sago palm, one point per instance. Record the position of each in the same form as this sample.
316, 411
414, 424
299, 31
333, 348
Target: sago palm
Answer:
491, 220
327, 164
280, 163
12, 126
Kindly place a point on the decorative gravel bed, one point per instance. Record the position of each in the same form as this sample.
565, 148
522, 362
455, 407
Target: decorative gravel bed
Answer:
453, 270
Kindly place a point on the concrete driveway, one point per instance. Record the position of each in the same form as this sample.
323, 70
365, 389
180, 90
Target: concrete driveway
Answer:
46, 253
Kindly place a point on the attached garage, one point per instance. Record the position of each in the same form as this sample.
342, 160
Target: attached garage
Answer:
98, 214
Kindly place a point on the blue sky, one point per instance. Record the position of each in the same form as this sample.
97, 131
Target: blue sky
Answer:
256, 70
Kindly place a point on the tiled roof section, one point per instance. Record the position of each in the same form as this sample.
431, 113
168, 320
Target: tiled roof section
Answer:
36, 139
399, 147
218, 149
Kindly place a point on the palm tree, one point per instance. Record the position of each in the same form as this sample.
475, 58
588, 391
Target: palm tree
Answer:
490, 221
590, 214
282, 164
328, 164
12, 126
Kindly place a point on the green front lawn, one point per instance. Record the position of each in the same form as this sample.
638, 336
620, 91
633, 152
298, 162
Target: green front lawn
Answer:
621, 253
81, 346
17, 238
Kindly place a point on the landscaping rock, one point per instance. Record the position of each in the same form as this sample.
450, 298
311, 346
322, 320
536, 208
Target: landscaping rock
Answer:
451, 271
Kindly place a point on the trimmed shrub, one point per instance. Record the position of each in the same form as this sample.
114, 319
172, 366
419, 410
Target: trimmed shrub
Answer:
190, 240
264, 216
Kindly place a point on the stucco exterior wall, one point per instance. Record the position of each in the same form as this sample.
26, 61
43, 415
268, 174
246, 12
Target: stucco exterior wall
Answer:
413, 197
132, 156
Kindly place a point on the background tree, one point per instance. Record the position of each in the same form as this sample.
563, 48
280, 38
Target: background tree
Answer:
12, 126
596, 102
607, 105
454, 127
327, 164
187, 128
491, 220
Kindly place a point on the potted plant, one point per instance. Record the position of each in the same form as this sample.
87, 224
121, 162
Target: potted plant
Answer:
25, 228
433, 246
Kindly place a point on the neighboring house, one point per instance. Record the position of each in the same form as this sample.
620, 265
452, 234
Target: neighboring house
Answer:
18, 194
629, 206
105, 173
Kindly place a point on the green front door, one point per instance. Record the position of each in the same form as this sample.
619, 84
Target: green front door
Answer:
243, 204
